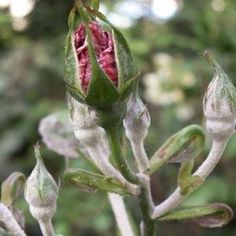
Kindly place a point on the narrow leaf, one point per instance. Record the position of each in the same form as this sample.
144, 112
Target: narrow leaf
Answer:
11, 188
92, 181
185, 145
186, 181
211, 215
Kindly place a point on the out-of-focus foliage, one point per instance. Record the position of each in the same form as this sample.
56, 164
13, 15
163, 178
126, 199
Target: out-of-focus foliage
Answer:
173, 79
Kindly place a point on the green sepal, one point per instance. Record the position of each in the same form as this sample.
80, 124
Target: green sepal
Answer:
125, 63
186, 181
95, 4
128, 88
101, 91
211, 215
11, 188
92, 181
112, 117
72, 18
45, 183
71, 62
185, 145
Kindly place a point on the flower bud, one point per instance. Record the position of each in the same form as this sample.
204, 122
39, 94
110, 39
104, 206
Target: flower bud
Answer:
137, 120
41, 191
99, 67
84, 123
219, 103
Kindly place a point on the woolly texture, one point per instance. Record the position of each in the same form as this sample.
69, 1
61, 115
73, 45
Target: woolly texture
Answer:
104, 49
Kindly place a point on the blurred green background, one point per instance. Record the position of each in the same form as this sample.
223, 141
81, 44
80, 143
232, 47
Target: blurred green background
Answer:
166, 38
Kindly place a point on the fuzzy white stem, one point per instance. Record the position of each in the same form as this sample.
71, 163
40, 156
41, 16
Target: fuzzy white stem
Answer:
140, 155
146, 185
47, 228
101, 160
121, 215
214, 157
10, 222
175, 199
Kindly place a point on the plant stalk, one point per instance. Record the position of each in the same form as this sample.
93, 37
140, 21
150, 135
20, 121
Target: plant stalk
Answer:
9, 222
47, 228
121, 214
148, 224
175, 199
117, 153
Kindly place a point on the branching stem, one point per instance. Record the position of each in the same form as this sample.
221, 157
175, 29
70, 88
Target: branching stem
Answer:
9, 222
47, 228
121, 215
145, 201
175, 199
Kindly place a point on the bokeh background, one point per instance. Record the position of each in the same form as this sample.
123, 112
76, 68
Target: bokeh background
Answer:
166, 37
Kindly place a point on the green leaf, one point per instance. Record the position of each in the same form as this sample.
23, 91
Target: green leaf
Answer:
185, 145
186, 181
92, 181
125, 63
11, 188
211, 215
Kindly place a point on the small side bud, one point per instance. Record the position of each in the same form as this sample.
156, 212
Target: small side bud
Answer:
41, 191
136, 123
137, 120
83, 120
219, 103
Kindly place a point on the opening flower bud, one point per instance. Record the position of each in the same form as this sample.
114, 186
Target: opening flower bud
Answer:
219, 103
41, 191
104, 49
99, 67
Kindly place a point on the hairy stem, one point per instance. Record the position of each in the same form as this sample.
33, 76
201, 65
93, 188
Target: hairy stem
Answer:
145, 201
140, 156
121, 215
47, 228
175, 199
100, 159
148, 225
117, 153
9, 222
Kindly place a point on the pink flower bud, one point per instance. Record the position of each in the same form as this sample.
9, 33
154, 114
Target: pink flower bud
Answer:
104, 49
99, 68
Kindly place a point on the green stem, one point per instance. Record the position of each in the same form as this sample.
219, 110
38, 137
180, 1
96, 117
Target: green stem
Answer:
114, 141
116, 150
148, 225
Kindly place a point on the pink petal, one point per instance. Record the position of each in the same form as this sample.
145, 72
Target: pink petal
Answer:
104, 48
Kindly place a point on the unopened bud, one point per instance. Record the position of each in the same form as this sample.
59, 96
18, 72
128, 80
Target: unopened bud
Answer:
137, 120
219, 103
41, 191
84, 123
